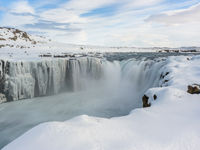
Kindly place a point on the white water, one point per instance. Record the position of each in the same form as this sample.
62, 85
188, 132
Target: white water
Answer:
101, 88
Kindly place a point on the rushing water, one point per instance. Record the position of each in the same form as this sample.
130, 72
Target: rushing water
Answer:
104, 89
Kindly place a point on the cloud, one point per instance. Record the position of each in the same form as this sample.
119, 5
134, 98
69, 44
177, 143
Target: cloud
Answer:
47, 25
68, 36
191, 14
126, 25
71, 37
42, 3
60, 15
17, 20
138, 3
2, 8
83, 6
132, 4
21, 7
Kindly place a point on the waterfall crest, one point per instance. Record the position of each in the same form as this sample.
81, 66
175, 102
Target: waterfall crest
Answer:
22, 80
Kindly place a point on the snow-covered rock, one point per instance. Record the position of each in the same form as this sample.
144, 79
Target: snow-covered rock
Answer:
194, 89
14, 38
179, 73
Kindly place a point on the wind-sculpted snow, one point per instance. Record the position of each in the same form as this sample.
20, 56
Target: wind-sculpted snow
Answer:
22, 80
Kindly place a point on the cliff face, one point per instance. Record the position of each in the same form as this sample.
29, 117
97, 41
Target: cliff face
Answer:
20, 80
28, 79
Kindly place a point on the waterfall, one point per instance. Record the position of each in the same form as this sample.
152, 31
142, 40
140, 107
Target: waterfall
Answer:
22, 80
128, 80
92, 86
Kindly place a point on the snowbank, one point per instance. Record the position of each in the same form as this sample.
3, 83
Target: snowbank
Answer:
171, 123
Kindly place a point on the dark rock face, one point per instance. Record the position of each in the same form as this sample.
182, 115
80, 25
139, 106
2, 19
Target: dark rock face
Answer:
145, 101
194, 89
162, 76
154, 96
163, 79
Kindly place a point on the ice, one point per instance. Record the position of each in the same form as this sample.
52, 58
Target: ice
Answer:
28, 79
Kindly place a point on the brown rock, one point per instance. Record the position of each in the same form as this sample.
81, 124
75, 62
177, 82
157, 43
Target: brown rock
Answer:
145, 101
194, 89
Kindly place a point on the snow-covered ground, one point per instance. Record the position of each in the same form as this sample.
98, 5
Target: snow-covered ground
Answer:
171, 123
17, 45
17, 39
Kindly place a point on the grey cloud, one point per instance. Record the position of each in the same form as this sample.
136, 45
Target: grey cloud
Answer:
191, 14
53, 26
2, 8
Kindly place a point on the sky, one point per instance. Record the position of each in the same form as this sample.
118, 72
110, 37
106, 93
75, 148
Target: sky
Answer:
137, 23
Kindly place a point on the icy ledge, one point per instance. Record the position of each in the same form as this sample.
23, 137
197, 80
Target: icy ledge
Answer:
171, 123
28, 79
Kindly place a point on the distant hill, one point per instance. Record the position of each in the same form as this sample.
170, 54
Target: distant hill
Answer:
14, 38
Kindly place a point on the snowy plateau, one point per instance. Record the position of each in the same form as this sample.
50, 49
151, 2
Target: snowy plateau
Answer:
57, 96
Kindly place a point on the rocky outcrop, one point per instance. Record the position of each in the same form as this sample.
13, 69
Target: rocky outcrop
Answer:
164, 79
163, 75
194, 89
145, 101
154, 96
14, 38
